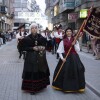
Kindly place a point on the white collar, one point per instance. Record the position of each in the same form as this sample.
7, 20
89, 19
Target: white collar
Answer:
69, 38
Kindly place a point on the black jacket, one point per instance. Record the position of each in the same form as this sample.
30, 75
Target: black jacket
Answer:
34, 62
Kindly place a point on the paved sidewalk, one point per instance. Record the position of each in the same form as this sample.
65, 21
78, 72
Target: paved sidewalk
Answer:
92, 67
84, 49
93, 74
10, 79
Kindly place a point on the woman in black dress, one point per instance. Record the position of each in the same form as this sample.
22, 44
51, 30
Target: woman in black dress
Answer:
71, 77
36, 72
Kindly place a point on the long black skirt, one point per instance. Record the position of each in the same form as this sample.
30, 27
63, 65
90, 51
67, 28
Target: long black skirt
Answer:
34, 82
35, 73
71, 78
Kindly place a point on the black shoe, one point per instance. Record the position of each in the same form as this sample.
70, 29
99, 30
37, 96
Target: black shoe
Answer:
52, 52
19, 57
57, 57
93, 54
24, 57
32, 93
80, 49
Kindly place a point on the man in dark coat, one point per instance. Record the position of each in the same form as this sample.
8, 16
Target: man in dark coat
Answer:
20, 36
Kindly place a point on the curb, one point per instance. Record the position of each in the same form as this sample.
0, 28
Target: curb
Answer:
95, 91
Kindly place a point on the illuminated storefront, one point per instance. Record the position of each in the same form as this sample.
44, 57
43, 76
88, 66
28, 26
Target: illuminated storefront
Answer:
83, 13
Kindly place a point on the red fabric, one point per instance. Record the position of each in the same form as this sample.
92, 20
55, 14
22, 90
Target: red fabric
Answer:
58, 32
34, 85
58, 39
67, 45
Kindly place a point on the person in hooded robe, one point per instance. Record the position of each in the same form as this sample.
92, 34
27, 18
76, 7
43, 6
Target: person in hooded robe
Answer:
36, 71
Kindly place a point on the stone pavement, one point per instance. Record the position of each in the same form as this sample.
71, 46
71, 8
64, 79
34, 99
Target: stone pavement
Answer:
92, 71
93, 66
10, 78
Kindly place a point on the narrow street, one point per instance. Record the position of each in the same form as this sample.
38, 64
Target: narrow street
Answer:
11, 68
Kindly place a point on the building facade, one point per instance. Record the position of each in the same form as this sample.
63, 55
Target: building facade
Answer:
69, 12
49, 12
59, 10
6, 15
21, 7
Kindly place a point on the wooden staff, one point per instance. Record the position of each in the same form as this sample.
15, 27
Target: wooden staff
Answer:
81, 29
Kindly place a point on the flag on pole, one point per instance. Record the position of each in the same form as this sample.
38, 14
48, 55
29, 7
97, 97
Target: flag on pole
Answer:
84, 23
92, 26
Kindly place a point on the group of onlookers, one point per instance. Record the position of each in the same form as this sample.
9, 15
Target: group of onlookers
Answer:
53, 38
6, 36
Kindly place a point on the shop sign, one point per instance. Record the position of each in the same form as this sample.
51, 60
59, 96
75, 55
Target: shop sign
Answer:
83, 13
72, 16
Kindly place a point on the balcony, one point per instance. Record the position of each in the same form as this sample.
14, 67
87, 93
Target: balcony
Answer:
55, 19
3, 9
10, 16
61, 17
47, 6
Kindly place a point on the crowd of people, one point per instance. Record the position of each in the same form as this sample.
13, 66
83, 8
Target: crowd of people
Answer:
54, 38
7, 36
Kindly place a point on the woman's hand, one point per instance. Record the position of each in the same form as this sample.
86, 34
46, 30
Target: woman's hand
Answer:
74, 42
35, 48
41, 48
64, 60
21, 37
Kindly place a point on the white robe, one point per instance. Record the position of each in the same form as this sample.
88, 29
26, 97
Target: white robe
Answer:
56, 35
